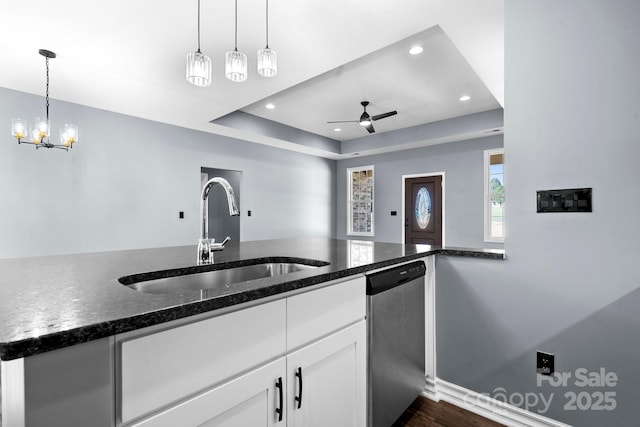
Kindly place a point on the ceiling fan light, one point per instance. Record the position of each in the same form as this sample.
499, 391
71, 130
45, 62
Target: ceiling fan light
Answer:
198, 69
235, 66
267, 62
365, 119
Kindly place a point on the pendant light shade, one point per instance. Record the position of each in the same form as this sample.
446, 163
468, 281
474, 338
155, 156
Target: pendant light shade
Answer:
198, 64
267, 58
198, 69
267, 62
235, 66
235, 62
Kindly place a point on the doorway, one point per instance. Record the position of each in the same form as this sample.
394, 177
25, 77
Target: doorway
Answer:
221, 224
423, 209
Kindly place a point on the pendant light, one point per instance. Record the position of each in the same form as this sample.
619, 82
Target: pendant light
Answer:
198, 64
235, 62
267, 58
40, 134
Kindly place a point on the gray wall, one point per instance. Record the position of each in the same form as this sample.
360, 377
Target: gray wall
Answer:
124, 183
570, 284
463, 165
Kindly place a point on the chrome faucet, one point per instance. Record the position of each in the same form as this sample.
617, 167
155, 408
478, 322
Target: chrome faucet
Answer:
205, 246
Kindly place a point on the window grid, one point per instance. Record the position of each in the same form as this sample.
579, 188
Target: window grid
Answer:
494, 196
360, 202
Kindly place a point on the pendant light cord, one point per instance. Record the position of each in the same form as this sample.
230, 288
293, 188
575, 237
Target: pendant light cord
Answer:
198, 26
236, 33
267, 15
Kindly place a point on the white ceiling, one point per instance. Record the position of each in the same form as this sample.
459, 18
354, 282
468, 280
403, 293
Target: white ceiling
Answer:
422, 88
129, 57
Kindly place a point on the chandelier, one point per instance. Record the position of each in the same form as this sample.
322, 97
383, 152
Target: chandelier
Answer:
40, 133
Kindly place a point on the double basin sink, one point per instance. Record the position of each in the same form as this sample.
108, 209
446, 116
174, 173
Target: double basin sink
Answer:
216, 276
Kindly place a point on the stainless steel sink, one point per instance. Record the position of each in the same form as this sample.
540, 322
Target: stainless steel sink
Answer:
215, 279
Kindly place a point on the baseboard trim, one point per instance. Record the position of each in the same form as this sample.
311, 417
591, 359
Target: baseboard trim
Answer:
485, 406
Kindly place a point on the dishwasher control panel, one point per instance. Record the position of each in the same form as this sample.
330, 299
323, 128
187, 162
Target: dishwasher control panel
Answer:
395, 276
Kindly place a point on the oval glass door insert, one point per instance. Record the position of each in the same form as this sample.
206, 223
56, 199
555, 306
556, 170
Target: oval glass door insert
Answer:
423, 207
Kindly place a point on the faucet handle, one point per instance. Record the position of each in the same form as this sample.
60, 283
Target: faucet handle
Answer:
220, 246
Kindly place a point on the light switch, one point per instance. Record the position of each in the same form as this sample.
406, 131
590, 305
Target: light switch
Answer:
571, 200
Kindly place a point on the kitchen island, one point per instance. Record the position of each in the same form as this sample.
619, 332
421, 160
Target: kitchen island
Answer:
53, 303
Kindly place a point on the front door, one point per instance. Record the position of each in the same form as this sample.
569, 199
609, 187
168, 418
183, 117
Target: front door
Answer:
423, 210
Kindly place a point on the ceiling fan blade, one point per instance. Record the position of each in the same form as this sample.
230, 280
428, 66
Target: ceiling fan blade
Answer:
369, 128
344, 121
384, 115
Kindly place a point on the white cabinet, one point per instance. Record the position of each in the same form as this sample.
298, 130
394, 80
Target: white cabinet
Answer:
231, 370
326, 381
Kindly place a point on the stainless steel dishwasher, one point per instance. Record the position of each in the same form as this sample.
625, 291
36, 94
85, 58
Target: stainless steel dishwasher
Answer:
396, 340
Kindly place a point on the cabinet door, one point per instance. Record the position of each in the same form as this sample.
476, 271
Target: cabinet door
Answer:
253, 399
326, 381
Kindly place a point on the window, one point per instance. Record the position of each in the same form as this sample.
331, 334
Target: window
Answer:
360, 201
494, 200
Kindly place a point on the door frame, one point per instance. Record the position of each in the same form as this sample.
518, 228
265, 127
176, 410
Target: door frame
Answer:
422, 175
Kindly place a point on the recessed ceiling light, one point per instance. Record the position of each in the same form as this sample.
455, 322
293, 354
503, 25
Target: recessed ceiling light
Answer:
269, 106
415, 50
337, 130
465, 98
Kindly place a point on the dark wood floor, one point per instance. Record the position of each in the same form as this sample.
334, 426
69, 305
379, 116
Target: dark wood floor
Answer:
424, 412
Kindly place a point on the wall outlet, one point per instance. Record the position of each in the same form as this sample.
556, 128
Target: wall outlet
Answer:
544, 363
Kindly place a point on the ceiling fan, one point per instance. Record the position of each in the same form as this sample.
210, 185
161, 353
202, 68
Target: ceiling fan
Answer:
366, 121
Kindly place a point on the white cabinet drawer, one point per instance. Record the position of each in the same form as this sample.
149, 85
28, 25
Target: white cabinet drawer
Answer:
249, 400
159, 369
320, 312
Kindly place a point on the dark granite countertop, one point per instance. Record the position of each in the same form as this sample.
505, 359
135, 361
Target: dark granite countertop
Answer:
47, 303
